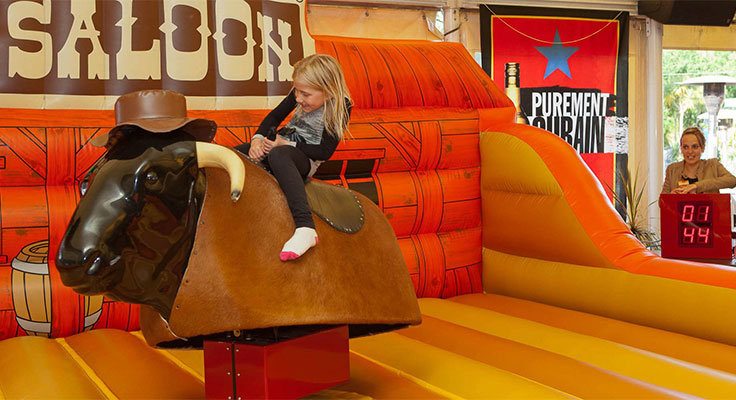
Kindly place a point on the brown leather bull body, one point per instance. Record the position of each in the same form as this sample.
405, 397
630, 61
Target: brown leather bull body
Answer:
235, 280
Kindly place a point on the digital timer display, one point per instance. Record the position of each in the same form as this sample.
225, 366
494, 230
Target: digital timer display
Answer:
695, 223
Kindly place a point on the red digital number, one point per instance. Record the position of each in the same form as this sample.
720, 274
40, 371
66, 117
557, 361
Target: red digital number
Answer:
703, 234
703, 212
688, 234
688, 212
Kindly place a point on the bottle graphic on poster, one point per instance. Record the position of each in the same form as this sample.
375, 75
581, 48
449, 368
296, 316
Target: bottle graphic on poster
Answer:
513, 89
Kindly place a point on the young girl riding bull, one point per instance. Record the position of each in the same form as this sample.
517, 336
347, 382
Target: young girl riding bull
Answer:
321, 104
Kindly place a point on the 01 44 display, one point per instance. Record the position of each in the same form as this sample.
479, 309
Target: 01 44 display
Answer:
696, 225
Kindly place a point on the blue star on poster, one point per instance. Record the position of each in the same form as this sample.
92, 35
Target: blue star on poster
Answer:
557, 56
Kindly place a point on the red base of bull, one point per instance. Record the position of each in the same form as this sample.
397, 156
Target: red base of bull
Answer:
285, 370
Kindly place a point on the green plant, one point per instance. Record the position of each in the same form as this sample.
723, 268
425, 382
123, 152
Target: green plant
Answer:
632, 204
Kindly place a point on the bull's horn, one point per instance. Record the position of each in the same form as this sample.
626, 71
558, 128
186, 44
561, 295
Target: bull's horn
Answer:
212, 155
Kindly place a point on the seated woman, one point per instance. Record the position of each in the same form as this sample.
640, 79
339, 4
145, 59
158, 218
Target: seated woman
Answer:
693, 175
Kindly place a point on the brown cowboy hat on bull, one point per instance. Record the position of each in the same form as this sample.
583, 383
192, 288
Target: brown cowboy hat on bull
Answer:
157, 111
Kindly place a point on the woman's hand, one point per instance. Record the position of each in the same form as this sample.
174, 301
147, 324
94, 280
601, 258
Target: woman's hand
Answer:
685, 189
257, 151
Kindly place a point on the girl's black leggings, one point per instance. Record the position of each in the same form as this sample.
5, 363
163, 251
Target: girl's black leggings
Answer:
291, 168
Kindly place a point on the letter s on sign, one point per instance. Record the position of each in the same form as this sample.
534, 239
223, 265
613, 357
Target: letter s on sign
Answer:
30, 65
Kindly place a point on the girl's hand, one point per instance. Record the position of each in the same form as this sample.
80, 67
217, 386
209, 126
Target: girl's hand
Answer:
281, 141
257, 151
270, 144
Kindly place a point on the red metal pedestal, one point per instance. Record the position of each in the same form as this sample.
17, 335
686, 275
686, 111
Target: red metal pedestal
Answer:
285, 370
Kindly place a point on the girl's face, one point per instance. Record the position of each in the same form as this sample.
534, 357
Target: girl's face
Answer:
310, 98
691, 149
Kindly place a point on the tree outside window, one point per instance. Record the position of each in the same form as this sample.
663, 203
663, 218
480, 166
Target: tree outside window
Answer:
683, 105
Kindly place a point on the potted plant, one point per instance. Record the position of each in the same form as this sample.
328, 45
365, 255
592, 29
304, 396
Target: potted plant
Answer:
633, 192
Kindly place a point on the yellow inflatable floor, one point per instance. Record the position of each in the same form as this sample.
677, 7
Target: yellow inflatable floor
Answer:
474, 346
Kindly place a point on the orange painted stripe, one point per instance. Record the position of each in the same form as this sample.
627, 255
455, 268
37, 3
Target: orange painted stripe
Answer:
22, 143
434, 93
433, 277
381, 381
430, 202
429, 211
566, 374
398, 373
408, 90
455, 88
481, 90
324, 47
356, 76
99, 383
459, 81
358, 154
687, 348
460, 184
431, 150
459, 151
379, 78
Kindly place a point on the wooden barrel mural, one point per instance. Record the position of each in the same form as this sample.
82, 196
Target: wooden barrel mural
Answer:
92, 310
31, 289
31, 292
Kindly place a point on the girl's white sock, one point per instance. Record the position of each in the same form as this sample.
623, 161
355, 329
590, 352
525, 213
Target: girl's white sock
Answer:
303, 239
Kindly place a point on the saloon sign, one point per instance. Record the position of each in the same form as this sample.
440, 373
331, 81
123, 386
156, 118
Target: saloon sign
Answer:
75, 49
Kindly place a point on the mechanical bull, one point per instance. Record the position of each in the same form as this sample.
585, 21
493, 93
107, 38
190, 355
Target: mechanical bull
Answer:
192, 231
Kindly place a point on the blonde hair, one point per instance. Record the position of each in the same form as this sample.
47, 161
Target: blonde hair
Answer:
323, 72
698, 135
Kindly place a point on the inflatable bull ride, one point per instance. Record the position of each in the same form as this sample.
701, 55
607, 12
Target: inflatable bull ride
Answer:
192, 231
529, 283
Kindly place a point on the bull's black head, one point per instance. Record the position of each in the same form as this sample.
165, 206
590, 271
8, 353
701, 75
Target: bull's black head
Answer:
132, 232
